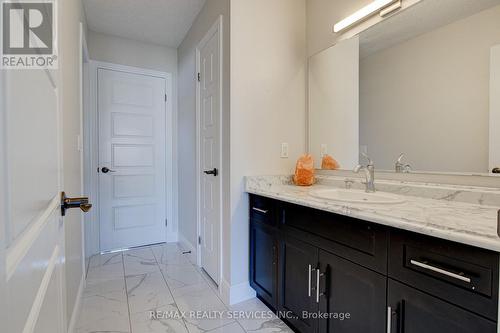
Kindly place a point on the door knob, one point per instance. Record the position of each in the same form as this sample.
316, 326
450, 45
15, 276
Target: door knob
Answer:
106, 170
495, 170
214, 172
67, 203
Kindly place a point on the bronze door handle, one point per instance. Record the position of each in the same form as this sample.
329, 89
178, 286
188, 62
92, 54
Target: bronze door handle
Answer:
495, 170
67, 203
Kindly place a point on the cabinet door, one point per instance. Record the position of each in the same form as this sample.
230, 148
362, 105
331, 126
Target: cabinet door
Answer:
263, 265
353, 297
417, 312
298, 261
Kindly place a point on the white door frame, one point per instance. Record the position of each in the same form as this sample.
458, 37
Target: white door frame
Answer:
3, 203
170, 128
216, 27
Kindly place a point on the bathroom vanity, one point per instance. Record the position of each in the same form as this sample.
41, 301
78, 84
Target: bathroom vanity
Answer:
409, 266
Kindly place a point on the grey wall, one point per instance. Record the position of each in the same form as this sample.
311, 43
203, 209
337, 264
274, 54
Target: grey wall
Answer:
429, 97
268, 100
123, 51
187, 116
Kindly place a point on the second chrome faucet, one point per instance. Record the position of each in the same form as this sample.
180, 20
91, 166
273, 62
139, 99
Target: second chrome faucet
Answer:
369, 170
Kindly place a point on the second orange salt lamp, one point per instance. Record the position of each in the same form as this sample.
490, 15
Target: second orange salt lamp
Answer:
329, 163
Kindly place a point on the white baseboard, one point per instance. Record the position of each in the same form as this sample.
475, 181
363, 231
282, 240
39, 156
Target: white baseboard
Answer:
187, 246
237, 293
77, 307
172, 237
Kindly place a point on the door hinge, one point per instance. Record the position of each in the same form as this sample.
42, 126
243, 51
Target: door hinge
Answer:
166, 222
165, 97
199, 240
199, 77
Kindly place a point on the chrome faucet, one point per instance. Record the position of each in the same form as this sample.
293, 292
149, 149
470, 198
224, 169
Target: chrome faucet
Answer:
369, 170
400, 167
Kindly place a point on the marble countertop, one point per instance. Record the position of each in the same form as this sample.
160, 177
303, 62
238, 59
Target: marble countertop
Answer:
468, 223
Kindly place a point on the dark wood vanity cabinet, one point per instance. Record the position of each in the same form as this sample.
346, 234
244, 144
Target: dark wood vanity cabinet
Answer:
413, 311
297, 278
324, 272
263, 262
350, 289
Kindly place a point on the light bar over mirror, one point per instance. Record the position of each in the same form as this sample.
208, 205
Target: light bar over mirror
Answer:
363, 14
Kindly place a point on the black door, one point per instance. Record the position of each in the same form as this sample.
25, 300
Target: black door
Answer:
263, 262
354, 298
417, 312
298, 262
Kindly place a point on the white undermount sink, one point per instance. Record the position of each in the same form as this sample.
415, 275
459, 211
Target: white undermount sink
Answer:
357, 196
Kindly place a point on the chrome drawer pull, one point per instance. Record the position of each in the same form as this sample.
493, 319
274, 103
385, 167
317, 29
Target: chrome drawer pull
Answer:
309, 283
389, 319
440, 271
260, 210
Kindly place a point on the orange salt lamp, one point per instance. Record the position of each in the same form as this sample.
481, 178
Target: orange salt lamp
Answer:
304, 171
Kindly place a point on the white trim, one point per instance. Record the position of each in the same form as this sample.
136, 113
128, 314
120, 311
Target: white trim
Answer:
3, 200
18, 250
235, 294
77, 307
170, 129
187, 246
42, 291
216, 27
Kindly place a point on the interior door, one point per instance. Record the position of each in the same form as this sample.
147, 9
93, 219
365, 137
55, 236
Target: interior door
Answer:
494, 164
31, 225
132, 150
210, 187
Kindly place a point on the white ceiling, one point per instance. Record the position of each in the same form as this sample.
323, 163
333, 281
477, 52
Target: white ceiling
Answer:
164, 22
418, 19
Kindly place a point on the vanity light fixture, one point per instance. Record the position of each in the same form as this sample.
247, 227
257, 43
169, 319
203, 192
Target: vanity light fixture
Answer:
363, 14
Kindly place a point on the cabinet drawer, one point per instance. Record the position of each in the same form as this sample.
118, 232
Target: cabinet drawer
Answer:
359, 241
415, 311
262, 210
460, 274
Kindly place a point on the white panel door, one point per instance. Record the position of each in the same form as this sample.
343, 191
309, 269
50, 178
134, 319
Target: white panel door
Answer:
495, 109
31, 225
132, 163
209, 122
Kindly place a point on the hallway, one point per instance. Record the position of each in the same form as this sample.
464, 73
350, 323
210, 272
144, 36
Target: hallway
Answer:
124, 288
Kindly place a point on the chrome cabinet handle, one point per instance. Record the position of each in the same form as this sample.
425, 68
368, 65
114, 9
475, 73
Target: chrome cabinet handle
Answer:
260, 210
318, 275
440, 271
309, 282
389, 319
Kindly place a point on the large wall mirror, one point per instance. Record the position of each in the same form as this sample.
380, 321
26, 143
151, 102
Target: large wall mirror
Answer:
424, 82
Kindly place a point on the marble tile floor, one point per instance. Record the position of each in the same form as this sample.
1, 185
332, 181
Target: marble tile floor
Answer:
156, 289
